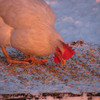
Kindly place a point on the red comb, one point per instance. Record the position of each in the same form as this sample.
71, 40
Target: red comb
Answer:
68, 52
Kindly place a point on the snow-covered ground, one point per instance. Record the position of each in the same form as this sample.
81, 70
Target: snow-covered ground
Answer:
75, 20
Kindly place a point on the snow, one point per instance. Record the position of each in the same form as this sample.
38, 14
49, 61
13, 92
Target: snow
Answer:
75, 20
97, 1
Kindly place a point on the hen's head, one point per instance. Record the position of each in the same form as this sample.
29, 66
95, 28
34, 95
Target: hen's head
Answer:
63, 53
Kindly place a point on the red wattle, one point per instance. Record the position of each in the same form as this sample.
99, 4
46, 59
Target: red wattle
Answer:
56, 59
68, 53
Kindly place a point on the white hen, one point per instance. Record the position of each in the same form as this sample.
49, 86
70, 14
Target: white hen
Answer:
28, 25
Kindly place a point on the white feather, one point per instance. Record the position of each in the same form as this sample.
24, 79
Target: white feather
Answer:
28, 26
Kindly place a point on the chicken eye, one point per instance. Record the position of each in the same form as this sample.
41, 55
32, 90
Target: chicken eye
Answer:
59, 51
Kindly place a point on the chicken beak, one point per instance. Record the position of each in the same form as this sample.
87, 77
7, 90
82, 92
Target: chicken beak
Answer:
63, 61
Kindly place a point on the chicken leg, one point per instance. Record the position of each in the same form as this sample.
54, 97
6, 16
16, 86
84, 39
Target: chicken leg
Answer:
29, 59
11, 60
32, 59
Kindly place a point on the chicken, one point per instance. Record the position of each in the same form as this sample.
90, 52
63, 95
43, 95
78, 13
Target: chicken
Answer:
28, 25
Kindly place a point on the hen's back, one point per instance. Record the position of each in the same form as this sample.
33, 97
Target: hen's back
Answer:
17, 13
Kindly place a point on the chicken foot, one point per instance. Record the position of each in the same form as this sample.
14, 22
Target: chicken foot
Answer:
28, 60
8, 58
32, 59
